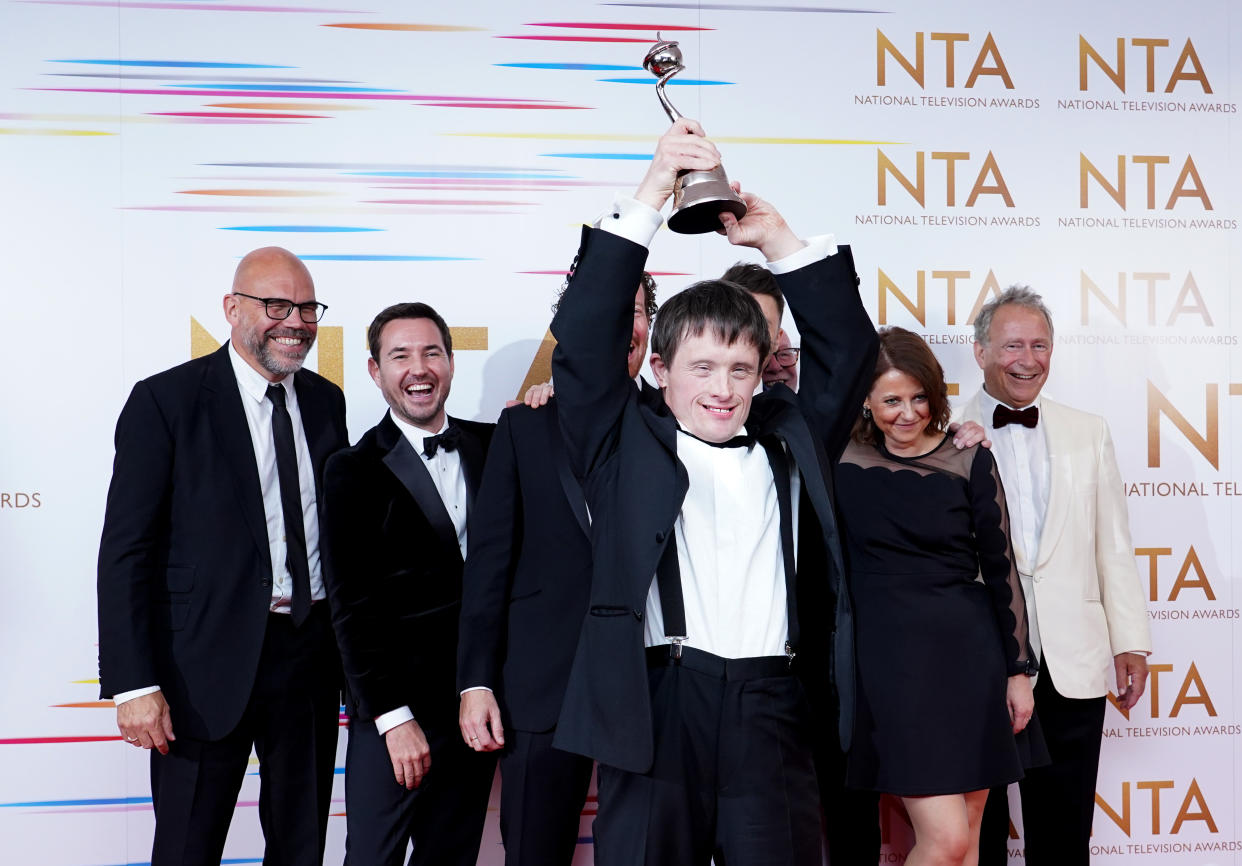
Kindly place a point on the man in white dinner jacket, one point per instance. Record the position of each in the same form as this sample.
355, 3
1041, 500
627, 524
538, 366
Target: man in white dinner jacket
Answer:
1085, 601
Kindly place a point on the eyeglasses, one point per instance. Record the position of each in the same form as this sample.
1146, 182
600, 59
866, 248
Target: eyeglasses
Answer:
280, 308
786, 357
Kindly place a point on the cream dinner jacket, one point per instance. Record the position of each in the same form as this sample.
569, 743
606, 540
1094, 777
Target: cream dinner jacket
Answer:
1088, 596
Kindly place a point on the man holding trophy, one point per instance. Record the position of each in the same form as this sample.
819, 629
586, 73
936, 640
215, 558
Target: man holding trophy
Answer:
702, 641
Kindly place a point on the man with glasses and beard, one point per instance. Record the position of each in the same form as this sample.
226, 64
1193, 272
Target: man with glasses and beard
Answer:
212, 632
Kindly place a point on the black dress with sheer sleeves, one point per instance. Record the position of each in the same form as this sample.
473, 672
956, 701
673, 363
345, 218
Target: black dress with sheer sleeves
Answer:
940, 620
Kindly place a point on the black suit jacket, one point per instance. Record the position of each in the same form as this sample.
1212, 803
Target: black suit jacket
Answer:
185, 571
528, 574
393, 572
624, 447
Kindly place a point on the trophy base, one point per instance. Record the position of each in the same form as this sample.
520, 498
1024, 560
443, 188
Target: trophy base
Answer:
699, 197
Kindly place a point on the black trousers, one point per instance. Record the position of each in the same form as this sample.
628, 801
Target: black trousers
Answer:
851, 818
291, 720
542, 792
733, 776
443, 816
1058, 801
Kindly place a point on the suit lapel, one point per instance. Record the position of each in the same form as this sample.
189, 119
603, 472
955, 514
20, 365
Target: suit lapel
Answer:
472, 455
316, 424
780, 417
232, 432
405, 463
560, 458
1060, 442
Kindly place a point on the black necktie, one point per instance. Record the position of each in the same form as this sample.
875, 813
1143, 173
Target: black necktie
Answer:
1003, 415
448, 440
290, 503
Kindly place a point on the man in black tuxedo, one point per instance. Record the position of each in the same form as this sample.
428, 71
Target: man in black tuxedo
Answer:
525, 593
211, 621
395, 517
681, 685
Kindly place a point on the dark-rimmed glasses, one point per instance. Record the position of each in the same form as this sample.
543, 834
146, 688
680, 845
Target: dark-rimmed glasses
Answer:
786, 357
279, 309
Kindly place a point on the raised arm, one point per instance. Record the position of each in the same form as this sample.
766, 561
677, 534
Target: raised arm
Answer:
594, 320
838, 338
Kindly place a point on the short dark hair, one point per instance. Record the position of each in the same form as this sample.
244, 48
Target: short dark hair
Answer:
726, 308
905, 351
757, 280
411, 310
649, 295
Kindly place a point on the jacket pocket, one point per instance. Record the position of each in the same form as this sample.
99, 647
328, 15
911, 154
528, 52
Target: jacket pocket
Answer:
179, 578
615, 610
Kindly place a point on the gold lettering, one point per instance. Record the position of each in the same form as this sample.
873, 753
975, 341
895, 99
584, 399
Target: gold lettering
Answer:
1116, 75
997, 68
1207, 444
884, 46
886, 285
1086, 167
885, 166
1196, 190
997, 188
1188, 55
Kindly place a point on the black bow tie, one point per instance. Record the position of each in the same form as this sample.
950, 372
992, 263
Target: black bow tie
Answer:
739, 441
1003, 415
448, 440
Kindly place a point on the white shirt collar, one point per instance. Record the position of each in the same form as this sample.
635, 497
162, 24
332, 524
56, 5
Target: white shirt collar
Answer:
252, 382
988, 404
416, 435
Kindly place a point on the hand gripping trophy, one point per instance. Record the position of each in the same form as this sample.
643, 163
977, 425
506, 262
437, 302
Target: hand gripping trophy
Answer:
698, 196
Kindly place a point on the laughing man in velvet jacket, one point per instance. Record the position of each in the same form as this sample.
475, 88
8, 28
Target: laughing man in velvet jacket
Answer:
395, 508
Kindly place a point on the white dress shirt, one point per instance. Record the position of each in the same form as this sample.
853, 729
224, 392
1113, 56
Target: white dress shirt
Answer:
728, 537
729, 526
450, 481
1022, 456
258, 410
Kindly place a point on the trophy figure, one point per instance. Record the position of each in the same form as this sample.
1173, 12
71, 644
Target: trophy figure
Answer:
698, 196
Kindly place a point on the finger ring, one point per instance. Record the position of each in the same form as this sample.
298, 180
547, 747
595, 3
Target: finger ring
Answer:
131, 739
474, 739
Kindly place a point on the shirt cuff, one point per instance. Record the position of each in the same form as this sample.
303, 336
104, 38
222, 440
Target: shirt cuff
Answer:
134, 693
631, 219
385, 722
476, 689
817, 248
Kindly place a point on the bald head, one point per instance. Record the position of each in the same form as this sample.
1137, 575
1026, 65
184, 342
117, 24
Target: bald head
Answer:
274, 347
258, 265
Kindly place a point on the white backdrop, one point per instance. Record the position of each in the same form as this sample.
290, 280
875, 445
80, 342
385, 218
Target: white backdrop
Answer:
447, 154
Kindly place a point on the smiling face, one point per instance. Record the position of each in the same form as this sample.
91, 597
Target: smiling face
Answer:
1017, 356
901, 412
414, 371
708, 384
274, 348
638, 339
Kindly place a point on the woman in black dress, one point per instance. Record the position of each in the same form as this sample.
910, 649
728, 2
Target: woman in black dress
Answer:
942, 649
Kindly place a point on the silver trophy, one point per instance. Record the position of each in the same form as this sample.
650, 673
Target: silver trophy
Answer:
699, 197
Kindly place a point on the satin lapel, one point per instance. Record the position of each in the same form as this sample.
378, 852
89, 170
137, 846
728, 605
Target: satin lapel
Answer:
472, 458
228, 420
405, 463
785, 420
573, 490
1060, 477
